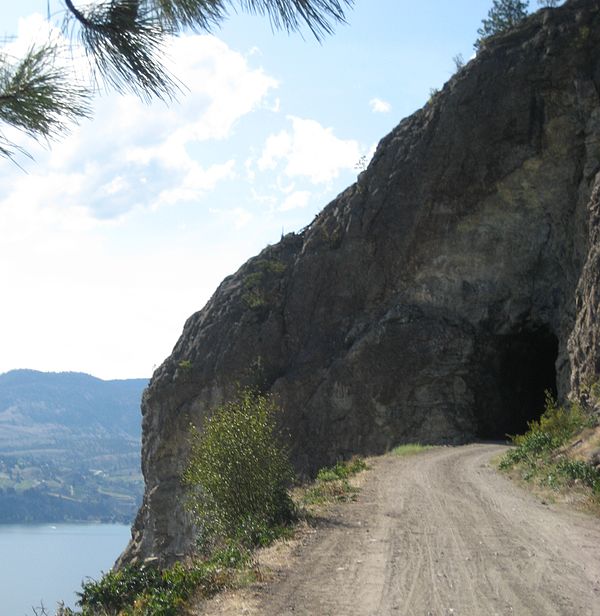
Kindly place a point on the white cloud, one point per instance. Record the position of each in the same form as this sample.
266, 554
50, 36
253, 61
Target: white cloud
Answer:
309, 150
99, 241
276, 147
296, 200
239, 217
196, 182
132, 155
379, 106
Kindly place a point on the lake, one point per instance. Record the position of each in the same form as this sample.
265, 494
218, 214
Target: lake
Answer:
47, 563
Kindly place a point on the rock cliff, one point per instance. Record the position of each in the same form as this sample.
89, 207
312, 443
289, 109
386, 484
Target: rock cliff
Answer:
434, 300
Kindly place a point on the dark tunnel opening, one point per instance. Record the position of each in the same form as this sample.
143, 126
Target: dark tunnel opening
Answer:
521, 368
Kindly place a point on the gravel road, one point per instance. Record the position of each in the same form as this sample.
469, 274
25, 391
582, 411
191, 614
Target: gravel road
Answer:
435, 534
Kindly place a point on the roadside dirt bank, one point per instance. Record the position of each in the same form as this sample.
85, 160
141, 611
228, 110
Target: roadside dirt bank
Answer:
435, 534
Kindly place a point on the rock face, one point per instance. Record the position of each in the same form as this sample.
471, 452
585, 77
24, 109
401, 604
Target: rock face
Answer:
434, 300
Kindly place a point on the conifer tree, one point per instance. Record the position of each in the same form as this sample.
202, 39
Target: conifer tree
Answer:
504, 15
124, 41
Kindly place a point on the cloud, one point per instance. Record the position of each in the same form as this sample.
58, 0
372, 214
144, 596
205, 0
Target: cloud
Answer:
276, 147
132, 155
379, 106
195, 182
239, 217
309, 150
298, 199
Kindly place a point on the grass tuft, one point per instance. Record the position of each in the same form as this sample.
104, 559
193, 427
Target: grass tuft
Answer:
410, 449
332, 484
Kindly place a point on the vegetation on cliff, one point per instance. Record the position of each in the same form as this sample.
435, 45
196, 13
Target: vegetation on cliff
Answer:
239, 478
560, 452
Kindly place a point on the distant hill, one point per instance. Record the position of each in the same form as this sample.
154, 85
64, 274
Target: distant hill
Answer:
69, 447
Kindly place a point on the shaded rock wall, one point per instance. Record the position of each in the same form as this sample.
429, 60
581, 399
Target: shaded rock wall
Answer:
434, 299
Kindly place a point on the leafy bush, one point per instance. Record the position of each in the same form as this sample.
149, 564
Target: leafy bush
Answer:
554, 428
239, 474
140, 590
579, 470
342, 470
118, 589
536, 450
332, 483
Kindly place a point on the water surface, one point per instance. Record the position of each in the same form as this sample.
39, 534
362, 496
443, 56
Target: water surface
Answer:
47, 563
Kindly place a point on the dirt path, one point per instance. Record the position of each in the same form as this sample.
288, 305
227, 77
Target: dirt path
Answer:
436, 534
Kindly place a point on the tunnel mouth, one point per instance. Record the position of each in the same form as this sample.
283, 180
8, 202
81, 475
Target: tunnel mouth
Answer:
521, 368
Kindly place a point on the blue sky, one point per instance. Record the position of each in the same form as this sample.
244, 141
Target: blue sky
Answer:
117, 233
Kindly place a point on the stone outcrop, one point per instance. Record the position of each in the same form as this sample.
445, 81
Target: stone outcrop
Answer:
434, 300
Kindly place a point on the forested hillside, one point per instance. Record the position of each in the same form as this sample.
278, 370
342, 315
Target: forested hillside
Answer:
69, 447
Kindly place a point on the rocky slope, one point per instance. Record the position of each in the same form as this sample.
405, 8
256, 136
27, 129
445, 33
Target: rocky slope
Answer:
435, 299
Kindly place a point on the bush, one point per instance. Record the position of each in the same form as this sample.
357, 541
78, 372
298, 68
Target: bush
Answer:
140, 590
118, 589
332, 483
536, 450
580, 471
553, 429
239, 474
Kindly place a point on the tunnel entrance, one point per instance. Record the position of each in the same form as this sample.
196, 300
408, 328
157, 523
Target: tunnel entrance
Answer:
520, 369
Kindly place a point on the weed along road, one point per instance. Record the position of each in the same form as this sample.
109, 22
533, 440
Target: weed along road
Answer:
434, 534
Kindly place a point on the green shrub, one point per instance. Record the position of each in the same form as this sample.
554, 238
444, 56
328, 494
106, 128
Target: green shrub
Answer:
535, 451
581, 471
342, 470
118, 589
554, 428
332, 483
239, 474
140, 590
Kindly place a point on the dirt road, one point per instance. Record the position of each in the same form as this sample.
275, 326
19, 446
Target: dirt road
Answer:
436, 534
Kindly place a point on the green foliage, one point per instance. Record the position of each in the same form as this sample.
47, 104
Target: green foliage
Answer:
577, 470
38, 96
254, 298
342, 470
141, 590
185, 365
118, 589
254, 294
536, 450
274, 266
554, 428
332, 483
410, 449
503, 16
556, 425
239, 474
125, 41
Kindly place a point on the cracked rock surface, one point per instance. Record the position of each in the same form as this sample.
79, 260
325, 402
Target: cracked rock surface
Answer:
434, 300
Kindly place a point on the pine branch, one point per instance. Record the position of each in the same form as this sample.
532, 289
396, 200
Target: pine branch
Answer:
125, 41
125, 38
199, 15
290, 15
38, 97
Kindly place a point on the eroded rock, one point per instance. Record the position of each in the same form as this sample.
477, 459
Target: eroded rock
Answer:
434, 300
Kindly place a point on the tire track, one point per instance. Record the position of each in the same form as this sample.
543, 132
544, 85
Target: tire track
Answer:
437, 534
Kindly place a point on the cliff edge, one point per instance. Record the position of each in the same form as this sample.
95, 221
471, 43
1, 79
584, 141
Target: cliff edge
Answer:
434, 300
